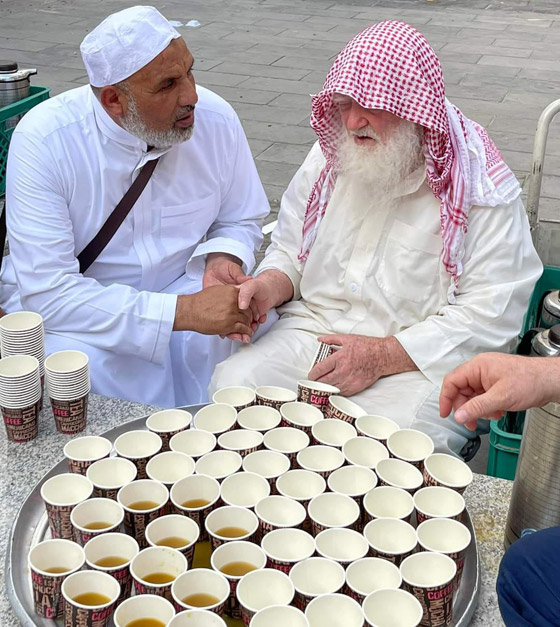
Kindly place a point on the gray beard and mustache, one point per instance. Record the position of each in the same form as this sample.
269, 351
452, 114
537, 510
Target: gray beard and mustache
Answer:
133, 123
382, 166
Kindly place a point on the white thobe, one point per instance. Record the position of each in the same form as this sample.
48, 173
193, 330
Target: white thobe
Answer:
69, 165
375, 269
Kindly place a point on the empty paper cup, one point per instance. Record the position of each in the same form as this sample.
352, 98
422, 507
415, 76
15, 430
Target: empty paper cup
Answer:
315, 393
196, 496
286, 547
341, 545
167, 423
343, 409
368, 574
237, 396
300, 415
197, 618
216, 419
332, 510
219, 464
242, 441
21, 329
70, 416
447, 471
112, 553
438, 502
244, 489
81, 452
193, 442
267, 464
20, 396
429, 577
263, 588
272, 396
75, 590
229, 523
61, 494
366, 452
326, 610
201, 588
332, 432
320, 459
287, 440
376, 427
259, 418
95, 516
411, 446
143, 501
50, 562
314, 577
390, 539
144, 608
447, 536
234, 560
139, 447
277, 512
110, 475
279, 616
175, 531
354, 481
388, 502
399, 474
301, 485
169, 467
155, 569
392, 608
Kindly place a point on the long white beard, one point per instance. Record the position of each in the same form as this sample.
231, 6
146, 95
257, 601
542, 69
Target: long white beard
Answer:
383, 165
133, 123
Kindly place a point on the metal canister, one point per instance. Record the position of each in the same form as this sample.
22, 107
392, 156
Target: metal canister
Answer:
14, 86
535, 501
546, 343
550, 312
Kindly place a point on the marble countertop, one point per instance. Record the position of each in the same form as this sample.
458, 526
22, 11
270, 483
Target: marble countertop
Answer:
23, 465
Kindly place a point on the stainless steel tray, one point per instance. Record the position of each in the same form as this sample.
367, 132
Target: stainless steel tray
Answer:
31, 527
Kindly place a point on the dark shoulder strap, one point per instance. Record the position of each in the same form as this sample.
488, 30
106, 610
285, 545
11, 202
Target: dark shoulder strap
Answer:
90, 253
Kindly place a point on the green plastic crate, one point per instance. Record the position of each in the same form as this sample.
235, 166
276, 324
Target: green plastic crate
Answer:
504, 447
36, 95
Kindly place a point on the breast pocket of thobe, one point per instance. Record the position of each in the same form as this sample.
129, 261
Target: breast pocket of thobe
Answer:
409, 267
185, 225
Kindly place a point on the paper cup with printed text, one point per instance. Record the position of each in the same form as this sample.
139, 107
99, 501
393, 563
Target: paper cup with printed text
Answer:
326, 610
143, 500
330, 510
314, 577
22, 333
261, 418
267, 464
113, 548
229, 523
110, 475
242, 441
196, 496
363, 451
139, 447
157, 560
398, 474
376, 427
286, 547
315, 393
169, 467
142, 607
197, 618
302, 486
388, 607
87, 582
167, 423
279, 512
95, 516
274, 396
61, 494
368, 574
438, 502
279, 616
193, 442
332, 432
263, 588
244, 489
342, 408
201, 581
219, 464
391, 539
411, 446
175, 531
82, 452
353, 481
287, 440
50, 562
217, 418
300, 416
341, 545
237, 396
447, 471
388, 502
320, 459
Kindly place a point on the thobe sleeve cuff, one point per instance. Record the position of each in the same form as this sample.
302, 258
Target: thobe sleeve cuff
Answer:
197, 263
430, 349
162, 311
278, 261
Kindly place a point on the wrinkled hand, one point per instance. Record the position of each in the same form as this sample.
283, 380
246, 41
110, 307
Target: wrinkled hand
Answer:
214, 311
357, 365
493, 383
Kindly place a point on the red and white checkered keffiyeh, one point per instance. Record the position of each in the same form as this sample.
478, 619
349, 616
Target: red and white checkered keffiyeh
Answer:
391, 66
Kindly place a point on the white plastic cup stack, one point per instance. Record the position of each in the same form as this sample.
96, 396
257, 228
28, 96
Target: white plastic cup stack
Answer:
68, 386
20, 395
22, 333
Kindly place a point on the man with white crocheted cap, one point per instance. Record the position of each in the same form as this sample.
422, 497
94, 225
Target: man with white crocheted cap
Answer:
402, 240
148, 305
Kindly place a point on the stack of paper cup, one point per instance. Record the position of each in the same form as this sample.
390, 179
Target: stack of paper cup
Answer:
20, 396
21, 333
68, 386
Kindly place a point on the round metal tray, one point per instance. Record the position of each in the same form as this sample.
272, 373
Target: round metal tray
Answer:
31, 527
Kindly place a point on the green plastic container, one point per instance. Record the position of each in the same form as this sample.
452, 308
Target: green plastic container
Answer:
36, 95
504, 447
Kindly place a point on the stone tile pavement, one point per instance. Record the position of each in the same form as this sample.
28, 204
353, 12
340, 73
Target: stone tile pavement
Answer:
500, 60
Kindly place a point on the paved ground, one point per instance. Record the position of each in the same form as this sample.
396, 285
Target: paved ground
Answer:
500, 60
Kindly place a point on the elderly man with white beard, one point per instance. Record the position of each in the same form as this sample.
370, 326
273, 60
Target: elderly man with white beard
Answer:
402, 240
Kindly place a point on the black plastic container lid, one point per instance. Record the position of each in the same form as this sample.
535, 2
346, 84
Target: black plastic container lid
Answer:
8, 66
